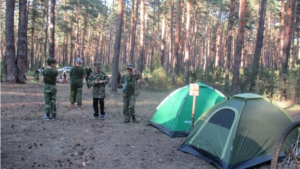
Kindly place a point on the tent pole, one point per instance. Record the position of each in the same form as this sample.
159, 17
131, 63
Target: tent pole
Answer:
193, 111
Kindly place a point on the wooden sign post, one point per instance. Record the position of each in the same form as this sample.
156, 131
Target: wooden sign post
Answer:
194, 91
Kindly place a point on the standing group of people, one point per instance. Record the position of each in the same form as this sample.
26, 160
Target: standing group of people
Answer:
96, 79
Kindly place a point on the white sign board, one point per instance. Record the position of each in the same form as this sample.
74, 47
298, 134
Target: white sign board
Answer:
194, 89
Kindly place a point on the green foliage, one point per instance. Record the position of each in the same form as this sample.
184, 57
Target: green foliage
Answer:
156, 62
244, 80
293, 86
212, 76
266, 82
2, 65
158, 80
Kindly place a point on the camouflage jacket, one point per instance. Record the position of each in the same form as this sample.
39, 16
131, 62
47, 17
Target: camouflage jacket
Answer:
98, 89
130, 82
50, 79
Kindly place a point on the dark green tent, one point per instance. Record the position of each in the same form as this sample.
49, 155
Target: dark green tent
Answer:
240, 132
174, 114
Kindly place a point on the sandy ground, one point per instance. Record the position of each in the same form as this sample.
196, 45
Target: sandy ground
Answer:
77, 140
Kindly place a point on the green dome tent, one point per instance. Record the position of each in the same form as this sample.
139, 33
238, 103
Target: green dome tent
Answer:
174, 114
240, 132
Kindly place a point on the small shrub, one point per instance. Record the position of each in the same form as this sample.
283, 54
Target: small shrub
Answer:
158, 80
267, 83
293, 86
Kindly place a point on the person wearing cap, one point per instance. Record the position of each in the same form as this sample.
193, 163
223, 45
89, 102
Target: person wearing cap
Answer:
50, 77
130, 92
88, 71
77, 73
98, 79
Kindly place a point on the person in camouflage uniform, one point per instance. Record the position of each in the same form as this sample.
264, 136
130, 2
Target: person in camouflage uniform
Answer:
98, 80
50, 77
88, 71
130, 92
77, 73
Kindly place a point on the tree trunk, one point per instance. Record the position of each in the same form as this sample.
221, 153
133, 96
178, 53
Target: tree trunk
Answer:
153, 38
197, 17
228, 42
293, 31
163, 32
52, 29
77, 44
72, 44
125, 38
46, 11
170, 58
187, 43
219, 40
142, 47
282, 31
287, 37
259, 43
205, 43
133, 29
1, 44
83, 37
117, 47
10, 64
22, 41
286, 46
298, 39
109, 43
32, 51
177, 41
238, 47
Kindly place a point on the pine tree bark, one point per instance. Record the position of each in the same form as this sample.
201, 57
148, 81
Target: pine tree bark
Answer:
52, 29
71, 40
286, 46
83, 37
177, 41
259, 43
133, 29
282, 31
153, 38
238, 47
163, 32
125, 38
293, 31
22, 41
142, 47
117, 47
32, 51
187, 43
228, 42
10, 64
195, 44
219, 40
46, 11
1, 44
205, 40
170, 57
109, 42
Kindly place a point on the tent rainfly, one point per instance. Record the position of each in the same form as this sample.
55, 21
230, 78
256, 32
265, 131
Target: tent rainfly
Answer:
240, 132
174, 114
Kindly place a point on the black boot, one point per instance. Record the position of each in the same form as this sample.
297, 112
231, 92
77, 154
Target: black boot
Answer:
134, 119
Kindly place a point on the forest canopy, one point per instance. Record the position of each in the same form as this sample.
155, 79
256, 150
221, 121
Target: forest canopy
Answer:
235, 46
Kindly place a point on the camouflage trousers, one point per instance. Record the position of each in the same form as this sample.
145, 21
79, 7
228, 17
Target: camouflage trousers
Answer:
129, 105
50, 101
76, 95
